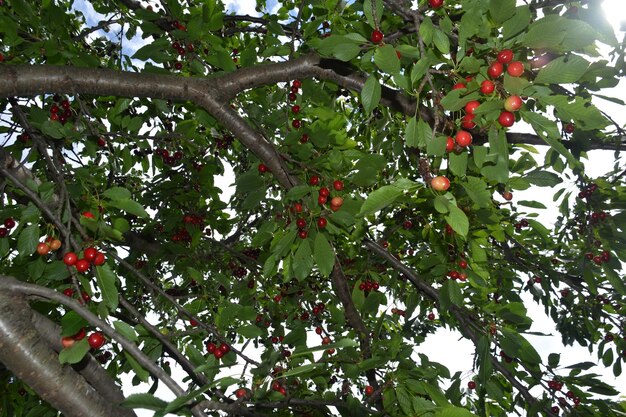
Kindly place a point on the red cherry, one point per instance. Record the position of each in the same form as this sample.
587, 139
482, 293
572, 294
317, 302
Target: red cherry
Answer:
324, 191
96, 340
282, 390
262, 168
211, 347
369, 390
505, 56
458, 86
507, 195
295, 109
296, 83
90, 254
292, 97
569, 128
463, 138
314, 180
435, 4
68, 292
88, 214
515, 69
336, 203
303, 234
487, 87
297, 207
467, 121
301, 223
377, 36
3, 232
296, 123
43, 249
86, 297
193, 323
471, 385
178, 65
440, 183
82, 265
241, 392
322, 222
304, 138
431, 316
218, 354
338, 185
495, 70
99, 260
225, 348
463, 264
9, 223
513, 103
70, 258
80, 335
506, 119
450, 144
321, 200
471, 106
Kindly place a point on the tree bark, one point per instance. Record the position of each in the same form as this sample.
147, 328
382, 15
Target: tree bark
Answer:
25, 353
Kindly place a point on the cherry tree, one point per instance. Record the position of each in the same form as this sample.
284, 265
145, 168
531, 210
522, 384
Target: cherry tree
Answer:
377, 148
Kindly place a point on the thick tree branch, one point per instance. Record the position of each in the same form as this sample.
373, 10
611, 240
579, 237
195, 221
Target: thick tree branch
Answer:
31, 359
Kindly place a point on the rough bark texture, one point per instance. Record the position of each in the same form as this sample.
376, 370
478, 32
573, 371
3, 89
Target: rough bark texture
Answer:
25, 353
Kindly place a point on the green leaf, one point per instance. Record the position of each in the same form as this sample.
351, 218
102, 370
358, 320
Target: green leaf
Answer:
106, 282
483, 358
437, 146
130, 206
56, 271
458, 220
614, 279
146, 401
369, 12
501, 10
250, 331
324, 254
450, 294
71, 323
125, 330
458, 163
563, 70
370, 94
547, 130
546, 33
442, 42
311, 368
117, 193
297, 192
74, 353
453, 411
476, 189
516, 24
28, 240
387, 60
379, 199
53, 129
412, 137
346, 51
554, 359
303, 260
141, 373
543, 178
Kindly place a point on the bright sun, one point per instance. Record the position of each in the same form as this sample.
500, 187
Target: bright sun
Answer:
615, 10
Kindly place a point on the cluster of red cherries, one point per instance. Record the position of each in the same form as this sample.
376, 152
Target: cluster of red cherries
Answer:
91, 256
9, 223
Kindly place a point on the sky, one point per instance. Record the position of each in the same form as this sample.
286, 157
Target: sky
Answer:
445, 346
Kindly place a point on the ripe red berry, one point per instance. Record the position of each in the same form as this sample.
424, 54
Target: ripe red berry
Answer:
471, 106
225, 348
435, 4
304, 138
296, 83
301, 223
324, 191
303, 234
495, 70
88, 214
90, 254
458, 86
314, 180
240, 393
336, 203
463, 138
487, 87
431, 316
96, 340
211, 347
262, 168
471, 385
515, 69
99, 260
9, 223
68, 292
369, 390
505, 56
70, 258
295, 109
321, 200
322, 222
296, 123
450, 144
506, 119
463, 264
338, 185
82, 265
467, 121
218, 354
513, 103
377, 36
